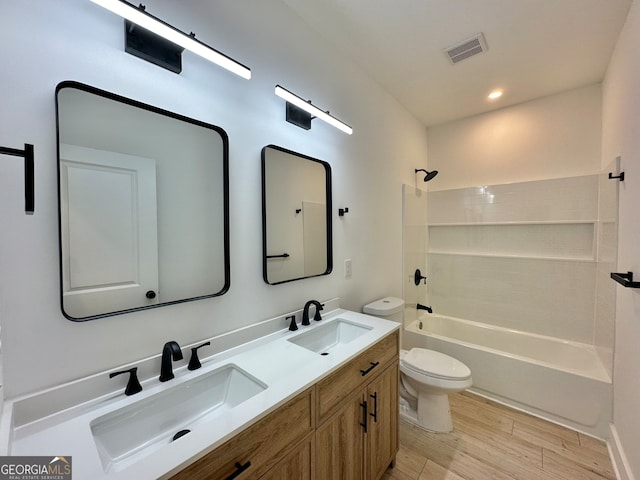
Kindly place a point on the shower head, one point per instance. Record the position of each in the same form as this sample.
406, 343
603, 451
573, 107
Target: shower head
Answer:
428, 175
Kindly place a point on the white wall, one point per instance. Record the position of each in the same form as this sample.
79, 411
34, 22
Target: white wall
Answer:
48, 42
551, 137
621, 136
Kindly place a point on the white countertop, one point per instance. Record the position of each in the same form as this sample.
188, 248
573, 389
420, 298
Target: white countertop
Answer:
287, 369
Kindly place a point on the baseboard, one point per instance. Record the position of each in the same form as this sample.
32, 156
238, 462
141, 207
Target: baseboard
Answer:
618, 457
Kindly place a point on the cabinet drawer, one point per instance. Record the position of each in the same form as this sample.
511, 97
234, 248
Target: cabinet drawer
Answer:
262, 444
339, 386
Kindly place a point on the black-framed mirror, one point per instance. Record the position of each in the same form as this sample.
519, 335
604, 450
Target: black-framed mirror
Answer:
143, 205
296, 216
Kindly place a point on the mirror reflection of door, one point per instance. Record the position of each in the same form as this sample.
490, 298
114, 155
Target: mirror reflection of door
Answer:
108, 208
171, 175
296, 216
314, 235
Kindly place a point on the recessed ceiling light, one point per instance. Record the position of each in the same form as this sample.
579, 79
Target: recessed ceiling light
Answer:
495, 94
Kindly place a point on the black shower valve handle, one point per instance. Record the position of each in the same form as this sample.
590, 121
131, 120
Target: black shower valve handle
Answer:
417, 277
194, 361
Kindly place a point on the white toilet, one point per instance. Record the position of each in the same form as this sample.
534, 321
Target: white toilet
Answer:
426, 376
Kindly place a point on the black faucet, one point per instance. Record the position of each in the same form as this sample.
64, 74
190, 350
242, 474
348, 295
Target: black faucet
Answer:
170, 350
305, 311
194, 361
422, 307
133, 385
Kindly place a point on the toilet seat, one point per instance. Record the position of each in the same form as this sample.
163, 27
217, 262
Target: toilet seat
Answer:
434, 364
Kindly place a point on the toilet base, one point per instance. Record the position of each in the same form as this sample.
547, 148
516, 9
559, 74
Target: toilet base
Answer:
433, 413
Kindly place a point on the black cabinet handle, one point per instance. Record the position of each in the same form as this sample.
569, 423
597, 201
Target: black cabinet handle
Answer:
364, 416
375, 407
150, 294
239, 469
373, 365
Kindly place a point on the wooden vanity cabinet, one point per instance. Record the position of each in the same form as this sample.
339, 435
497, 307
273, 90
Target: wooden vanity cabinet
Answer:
343, 428
278, 441
357, 433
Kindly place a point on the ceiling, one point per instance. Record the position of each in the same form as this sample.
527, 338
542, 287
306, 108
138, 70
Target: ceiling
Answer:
534, 47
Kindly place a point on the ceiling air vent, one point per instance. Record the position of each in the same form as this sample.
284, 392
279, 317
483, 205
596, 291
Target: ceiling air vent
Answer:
467, 48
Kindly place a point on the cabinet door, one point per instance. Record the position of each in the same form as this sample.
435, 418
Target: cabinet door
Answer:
297, 465
382, 432
340, 443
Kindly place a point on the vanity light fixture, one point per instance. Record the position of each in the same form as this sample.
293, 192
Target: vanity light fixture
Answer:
166, 50
300, 112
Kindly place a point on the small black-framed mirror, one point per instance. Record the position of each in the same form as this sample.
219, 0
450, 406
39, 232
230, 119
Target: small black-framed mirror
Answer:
143, 205
296, 216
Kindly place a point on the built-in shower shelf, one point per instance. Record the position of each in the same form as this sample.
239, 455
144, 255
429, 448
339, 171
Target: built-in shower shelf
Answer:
513, 223
515, 257
565, 240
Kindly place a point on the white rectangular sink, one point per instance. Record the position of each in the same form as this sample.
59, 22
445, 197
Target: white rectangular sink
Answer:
324, 338
125, 435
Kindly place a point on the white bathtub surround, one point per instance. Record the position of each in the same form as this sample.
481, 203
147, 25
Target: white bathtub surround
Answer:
554, 200
561, 381
289, 370
528, 260
529, 256
519, 256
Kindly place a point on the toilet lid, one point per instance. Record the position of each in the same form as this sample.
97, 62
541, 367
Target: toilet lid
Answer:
435, 364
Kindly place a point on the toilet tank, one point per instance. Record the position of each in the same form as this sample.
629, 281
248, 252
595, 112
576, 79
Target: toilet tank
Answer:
389, 308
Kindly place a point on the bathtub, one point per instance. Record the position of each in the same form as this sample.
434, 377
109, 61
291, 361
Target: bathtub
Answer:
561, 381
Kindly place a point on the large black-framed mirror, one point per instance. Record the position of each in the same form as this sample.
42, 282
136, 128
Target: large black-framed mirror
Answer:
143, 205
296, 216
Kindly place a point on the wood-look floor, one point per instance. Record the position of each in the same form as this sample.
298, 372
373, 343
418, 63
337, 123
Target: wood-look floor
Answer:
493, 442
